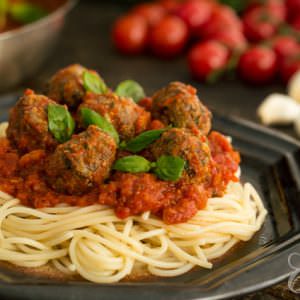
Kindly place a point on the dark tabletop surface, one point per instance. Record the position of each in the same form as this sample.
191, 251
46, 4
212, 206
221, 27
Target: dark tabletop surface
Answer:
86, 40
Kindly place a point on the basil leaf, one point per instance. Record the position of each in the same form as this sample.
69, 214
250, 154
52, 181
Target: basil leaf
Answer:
143, 140
93, 83
90, 117
26, 12
169, 167
132, 164
60, 122
130, 88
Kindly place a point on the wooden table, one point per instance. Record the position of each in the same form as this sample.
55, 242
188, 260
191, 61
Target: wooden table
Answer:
86, 40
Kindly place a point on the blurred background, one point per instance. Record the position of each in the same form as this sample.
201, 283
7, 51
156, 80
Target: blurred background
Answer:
164, 54
236, 52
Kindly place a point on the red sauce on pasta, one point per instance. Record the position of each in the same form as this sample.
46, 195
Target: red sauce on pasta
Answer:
23, 176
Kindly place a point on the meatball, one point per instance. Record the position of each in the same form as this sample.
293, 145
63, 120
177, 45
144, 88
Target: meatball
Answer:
178, 104
128, 118
28, 123
66, 86
82, 162
194, 150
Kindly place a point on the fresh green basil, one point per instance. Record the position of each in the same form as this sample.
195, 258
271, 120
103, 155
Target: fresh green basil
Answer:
169, 167
90, 117
142, 141
60, 122
166, 168
130, 88
133, 164
26, 12
93, 83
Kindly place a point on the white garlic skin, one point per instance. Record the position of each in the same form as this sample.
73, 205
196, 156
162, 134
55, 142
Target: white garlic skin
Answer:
278, 109
294, 87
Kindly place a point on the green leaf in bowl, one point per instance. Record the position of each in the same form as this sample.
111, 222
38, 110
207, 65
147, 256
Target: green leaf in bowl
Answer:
3, 13
26, 12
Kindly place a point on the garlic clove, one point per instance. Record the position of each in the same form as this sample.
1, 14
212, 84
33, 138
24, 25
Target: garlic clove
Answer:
278, 109
294, 87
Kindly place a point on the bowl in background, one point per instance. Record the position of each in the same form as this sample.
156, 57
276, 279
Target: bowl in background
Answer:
23, 50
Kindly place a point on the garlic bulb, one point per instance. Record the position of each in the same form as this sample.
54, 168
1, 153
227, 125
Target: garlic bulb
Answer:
294, 87
278, 109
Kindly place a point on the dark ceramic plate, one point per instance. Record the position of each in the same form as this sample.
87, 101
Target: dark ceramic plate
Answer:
270, 161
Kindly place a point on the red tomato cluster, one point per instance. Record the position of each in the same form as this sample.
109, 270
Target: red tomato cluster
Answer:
261, 43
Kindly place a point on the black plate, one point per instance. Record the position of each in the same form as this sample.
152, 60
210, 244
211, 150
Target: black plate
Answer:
270, 161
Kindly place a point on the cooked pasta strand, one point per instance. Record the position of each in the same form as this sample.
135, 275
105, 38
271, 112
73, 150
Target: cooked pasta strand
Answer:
94, 243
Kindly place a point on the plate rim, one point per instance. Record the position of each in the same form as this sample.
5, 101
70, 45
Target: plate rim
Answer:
291, 243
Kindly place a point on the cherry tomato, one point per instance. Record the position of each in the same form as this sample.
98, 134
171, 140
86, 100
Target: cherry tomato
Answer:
289, 67
268, 3
232, 38
293, 7
285, 46
296, 23
170, 6
259, 24
222, 18
258, 65
195, 13
276, 8
168, 37
152, 12
130, 34
206, 58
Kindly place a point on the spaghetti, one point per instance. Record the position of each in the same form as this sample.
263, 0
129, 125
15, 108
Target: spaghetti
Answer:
94, 243
65, 204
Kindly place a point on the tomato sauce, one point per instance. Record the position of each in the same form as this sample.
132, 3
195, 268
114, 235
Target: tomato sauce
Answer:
23, 176
225, 162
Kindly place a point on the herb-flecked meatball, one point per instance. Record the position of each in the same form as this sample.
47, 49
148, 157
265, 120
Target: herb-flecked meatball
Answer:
66, 86
28, 123
194, 150
82, 162
128, 118
178, 104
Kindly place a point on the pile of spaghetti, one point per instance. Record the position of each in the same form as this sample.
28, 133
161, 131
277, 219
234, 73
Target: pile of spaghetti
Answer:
118, 195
